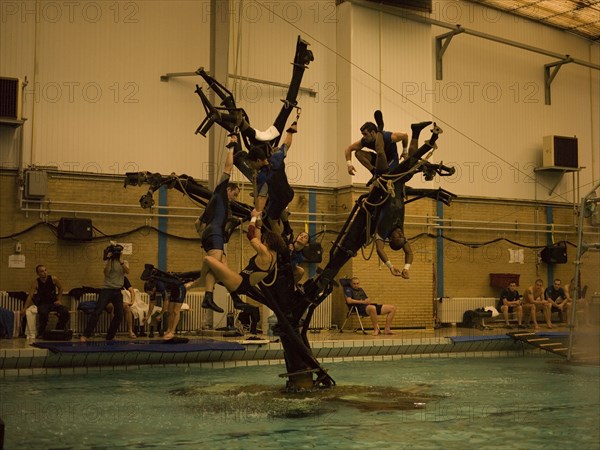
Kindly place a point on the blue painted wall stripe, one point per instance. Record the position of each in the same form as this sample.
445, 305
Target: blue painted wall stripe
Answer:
163, 223
440, 251
312, 226
550, 222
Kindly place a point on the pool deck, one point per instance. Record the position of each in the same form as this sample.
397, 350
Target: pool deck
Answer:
19, 358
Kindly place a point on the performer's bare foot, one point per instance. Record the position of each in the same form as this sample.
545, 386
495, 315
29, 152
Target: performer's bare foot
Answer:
132, 336
376, 331
388, 331
168, 336
82, 339
549, 325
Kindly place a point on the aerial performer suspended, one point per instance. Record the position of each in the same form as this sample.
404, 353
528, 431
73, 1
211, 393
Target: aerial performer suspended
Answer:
270, 280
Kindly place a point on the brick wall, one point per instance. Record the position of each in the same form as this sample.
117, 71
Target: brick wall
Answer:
466, 268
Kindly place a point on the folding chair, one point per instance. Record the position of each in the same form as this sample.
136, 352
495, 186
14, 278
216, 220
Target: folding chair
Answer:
346, 284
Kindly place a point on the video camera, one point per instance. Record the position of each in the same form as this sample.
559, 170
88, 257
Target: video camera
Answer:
114, 250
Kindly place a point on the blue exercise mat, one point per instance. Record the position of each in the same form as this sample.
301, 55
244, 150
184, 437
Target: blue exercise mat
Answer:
176, 345
491, 337
550, 334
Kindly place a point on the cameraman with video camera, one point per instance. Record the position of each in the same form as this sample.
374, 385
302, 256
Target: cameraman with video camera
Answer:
115, 270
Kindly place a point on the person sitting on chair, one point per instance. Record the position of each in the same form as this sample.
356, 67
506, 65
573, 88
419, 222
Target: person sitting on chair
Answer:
44, 297
366, 308
511, 300
560, 300
534, 301
158, 307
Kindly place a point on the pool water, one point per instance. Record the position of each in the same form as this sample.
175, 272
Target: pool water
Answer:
496, 403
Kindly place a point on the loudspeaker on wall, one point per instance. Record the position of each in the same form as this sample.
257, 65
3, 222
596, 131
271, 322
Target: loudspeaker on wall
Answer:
72, 229
555, 254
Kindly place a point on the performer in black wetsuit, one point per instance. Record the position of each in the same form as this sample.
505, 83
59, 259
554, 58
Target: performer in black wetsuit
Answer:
235, 119
390, 227
262, 267
211, 225
274, 192
385, 156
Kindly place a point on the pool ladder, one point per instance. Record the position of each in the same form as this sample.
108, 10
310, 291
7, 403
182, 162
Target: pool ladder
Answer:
550, 345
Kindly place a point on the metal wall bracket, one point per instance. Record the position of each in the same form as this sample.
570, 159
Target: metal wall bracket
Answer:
560, 171
441, 45
167, 76
550, 71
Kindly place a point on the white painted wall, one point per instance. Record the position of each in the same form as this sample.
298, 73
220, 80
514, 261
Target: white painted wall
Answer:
388, 53
95, 102
268, 42
490, 101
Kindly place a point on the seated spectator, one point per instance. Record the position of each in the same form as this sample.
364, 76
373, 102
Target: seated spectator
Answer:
44, 297
158, 307
558, 298
177, 293
510, 300
535, 301
366, 308
133, 307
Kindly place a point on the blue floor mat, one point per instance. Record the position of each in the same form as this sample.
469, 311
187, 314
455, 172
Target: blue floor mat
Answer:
492, 337
178, 346
550, 334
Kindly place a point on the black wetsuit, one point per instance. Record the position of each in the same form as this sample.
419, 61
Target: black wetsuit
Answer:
392, 213
279, 190
215, 217
250, 270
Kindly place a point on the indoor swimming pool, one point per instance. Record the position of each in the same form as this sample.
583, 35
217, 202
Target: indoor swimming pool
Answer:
532, 403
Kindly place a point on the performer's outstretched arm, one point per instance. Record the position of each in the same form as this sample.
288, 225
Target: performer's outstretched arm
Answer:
290, 134
233, 142
379, 244
348, 155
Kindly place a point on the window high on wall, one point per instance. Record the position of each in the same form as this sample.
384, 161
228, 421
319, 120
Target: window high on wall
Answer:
417, 5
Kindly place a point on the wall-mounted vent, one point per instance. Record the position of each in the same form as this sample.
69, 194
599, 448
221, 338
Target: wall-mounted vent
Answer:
10, 98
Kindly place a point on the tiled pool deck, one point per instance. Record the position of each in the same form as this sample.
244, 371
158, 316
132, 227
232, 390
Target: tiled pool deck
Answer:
19, 358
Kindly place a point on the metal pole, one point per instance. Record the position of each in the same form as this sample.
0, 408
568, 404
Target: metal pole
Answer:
219, 65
